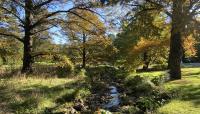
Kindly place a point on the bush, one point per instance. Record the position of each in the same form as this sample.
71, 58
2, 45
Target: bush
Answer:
139, 86
64, 66
158, 80
148, 96
147, 104
99, 73
130, 110
160, 67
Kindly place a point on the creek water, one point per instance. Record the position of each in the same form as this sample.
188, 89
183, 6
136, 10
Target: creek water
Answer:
115, 100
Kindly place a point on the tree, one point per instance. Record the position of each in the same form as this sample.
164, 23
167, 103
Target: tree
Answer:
10, 51
29, 16
182, 13
144, 31
81, 30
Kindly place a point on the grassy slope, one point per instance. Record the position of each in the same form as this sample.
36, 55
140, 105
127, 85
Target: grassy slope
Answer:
189, 88
33, 95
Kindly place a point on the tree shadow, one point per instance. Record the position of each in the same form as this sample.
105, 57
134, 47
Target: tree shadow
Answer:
29, 97
193, 74
42, 71
190, 93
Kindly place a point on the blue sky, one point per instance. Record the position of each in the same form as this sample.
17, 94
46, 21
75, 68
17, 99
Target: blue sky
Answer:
108, 14
57, 36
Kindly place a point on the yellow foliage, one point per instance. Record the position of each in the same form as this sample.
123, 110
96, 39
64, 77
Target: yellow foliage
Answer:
189, 46
147, 44
86, 22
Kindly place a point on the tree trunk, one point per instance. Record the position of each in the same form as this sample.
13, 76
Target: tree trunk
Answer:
4, 61
175, 41
84, 52
146, 61
184, 59
27, 58
175, 56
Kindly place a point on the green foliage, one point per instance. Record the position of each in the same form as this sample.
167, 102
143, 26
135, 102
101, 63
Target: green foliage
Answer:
158, 80
143, 34
10, 51
140, 86
148, 96
102, 72
64, 66
130, 110
146, 104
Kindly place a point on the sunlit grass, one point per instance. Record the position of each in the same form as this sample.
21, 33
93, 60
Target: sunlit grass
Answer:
188, 101
33, 94
180, 107
188, 89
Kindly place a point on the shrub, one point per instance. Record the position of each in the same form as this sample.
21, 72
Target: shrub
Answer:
148, 96
99, 73
64, 66
160, 67
139, 86
158, 80
130, 110
146, 104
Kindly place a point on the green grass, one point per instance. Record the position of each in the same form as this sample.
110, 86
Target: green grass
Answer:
32, 95
189, 90
149, 74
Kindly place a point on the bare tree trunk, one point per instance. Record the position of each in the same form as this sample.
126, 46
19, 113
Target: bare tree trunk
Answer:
175, 40
84, 52
27, 58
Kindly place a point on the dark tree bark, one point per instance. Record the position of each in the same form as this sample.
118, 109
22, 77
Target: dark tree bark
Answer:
84, 51
4, 61
27, 58
146, 61
184, 59
176, 41
175, 56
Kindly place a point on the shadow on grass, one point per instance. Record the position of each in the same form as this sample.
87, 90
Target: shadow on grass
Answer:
27, 99
45, 71
189, 93
196, 74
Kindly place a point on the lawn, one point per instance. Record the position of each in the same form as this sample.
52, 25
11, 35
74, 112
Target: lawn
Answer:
33, 95
189, 91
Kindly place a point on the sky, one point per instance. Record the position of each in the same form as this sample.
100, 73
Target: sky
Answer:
108, 14
58, 38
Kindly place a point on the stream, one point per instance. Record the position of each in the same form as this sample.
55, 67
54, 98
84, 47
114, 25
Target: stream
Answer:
115, 100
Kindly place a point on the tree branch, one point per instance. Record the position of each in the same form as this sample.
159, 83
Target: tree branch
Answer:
160, 6
12, 35
42, 4
15, 15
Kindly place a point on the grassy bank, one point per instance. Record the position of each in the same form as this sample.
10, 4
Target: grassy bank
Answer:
35, 95
189, 92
